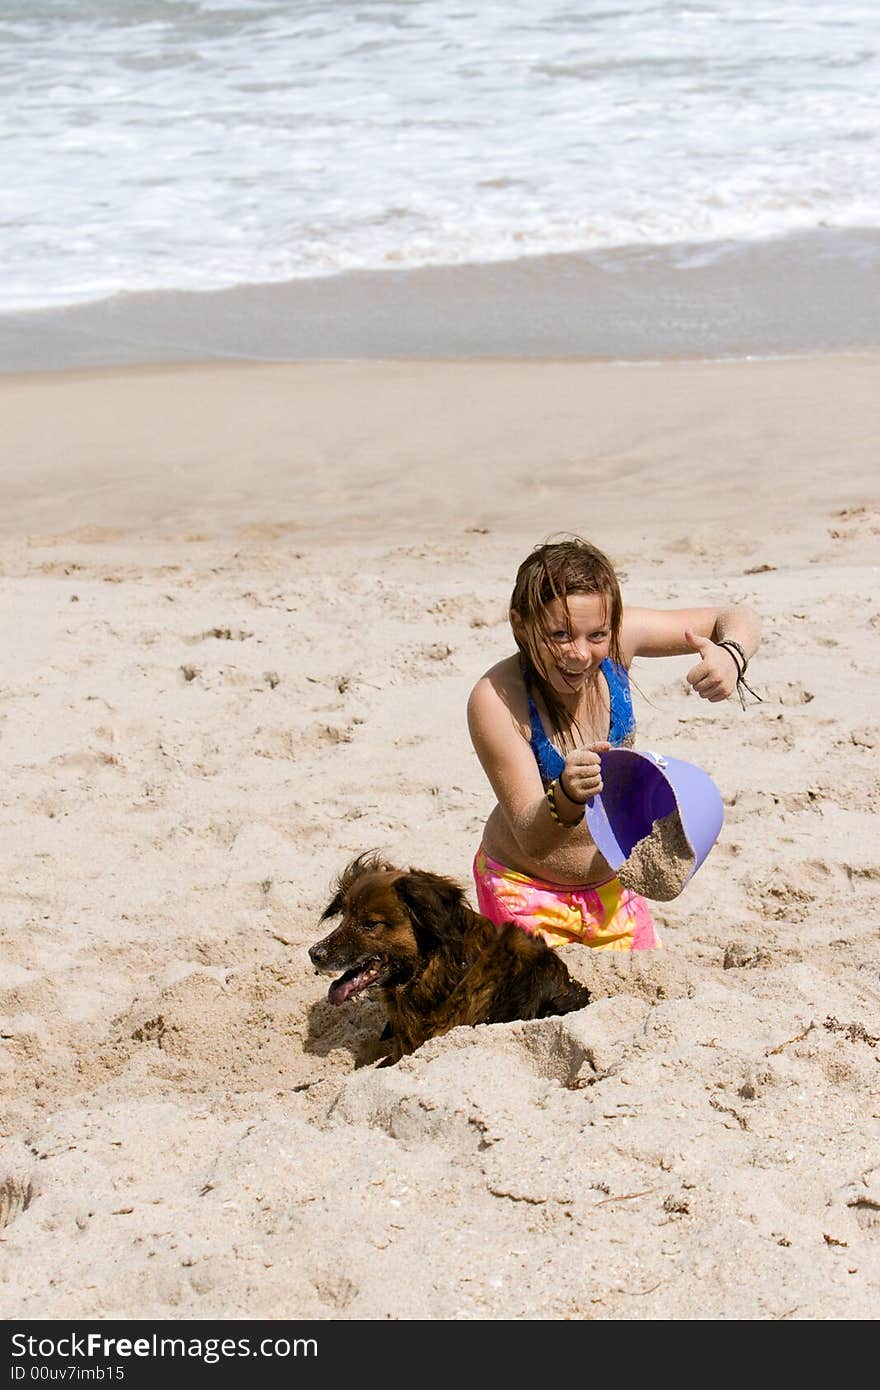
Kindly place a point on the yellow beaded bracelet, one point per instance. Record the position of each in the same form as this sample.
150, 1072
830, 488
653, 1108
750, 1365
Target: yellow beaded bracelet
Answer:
554, 814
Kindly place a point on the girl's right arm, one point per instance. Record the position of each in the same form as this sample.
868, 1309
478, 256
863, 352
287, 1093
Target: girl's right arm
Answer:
509, 764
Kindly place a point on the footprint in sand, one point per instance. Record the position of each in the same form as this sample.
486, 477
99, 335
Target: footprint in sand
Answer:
17, 1188
855, 523
787, 693
269, 531
55, 567
469, 607
85, 761
336, 1291
228, 677
220, 634
785, 901
863, 1200
83, 535
866, 736
714, 545
425, 661
742, 955
292, 744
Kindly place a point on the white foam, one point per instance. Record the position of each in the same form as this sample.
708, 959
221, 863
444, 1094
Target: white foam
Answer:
198, 144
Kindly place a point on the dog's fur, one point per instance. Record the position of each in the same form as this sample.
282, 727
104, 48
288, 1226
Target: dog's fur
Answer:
438, 964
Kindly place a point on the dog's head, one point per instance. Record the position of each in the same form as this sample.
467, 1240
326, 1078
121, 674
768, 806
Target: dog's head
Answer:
392, 923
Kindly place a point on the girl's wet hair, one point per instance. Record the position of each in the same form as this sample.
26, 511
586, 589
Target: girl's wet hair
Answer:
553, 571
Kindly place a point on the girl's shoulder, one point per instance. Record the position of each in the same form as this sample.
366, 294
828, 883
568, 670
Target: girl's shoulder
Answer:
501, 690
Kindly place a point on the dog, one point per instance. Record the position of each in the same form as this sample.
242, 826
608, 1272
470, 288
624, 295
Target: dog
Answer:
438, 964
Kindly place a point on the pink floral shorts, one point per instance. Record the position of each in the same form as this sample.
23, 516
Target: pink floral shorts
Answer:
606, 916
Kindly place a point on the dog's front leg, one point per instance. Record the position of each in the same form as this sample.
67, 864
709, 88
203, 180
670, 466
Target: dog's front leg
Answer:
375, 1048
371, 1050
396, 1051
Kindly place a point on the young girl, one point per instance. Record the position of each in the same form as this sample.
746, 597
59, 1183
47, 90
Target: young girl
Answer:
540, 719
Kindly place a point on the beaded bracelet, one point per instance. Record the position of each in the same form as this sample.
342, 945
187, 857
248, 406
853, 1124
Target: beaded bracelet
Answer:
554, 814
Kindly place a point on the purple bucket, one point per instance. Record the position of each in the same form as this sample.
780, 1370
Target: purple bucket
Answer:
639, 788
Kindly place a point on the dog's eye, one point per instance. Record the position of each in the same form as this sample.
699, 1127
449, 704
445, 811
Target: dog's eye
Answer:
373, 923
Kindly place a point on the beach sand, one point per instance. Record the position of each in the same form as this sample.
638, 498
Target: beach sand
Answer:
244, 607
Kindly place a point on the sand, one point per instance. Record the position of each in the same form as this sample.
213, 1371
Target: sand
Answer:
244, 607
659, 865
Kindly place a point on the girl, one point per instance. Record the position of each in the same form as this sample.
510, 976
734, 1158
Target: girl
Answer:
540, 719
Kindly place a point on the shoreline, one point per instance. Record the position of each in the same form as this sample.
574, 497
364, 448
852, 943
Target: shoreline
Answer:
233, 364
811, 292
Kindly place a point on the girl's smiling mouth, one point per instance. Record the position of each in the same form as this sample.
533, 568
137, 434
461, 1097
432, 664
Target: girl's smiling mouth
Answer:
572, 677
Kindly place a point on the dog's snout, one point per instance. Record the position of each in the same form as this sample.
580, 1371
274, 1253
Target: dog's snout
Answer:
318, 953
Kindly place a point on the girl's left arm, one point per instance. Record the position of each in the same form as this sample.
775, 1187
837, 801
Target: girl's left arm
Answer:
675, 632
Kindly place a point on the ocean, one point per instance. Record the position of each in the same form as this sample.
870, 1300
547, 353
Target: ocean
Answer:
197, 148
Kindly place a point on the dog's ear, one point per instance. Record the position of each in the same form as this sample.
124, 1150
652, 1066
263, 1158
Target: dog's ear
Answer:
436, 904
367, 863
334, 907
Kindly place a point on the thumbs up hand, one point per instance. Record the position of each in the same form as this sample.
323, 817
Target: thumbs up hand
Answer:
715, 674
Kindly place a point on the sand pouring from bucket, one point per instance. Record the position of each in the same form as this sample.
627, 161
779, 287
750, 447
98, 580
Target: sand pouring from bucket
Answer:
641, 788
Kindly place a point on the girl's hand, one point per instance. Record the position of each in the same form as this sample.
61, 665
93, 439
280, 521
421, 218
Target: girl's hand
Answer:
715, 675
581, 778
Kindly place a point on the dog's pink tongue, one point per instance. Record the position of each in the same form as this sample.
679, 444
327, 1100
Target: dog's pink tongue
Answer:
340, 990
352, 982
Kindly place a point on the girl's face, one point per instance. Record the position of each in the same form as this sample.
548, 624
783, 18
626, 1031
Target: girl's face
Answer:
581, 640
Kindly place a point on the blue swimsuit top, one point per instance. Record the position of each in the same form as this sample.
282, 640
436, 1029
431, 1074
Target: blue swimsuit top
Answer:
622, 723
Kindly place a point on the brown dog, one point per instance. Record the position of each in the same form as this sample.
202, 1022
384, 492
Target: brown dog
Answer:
437, 962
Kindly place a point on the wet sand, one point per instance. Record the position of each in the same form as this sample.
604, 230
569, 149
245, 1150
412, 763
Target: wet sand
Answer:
808, 292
